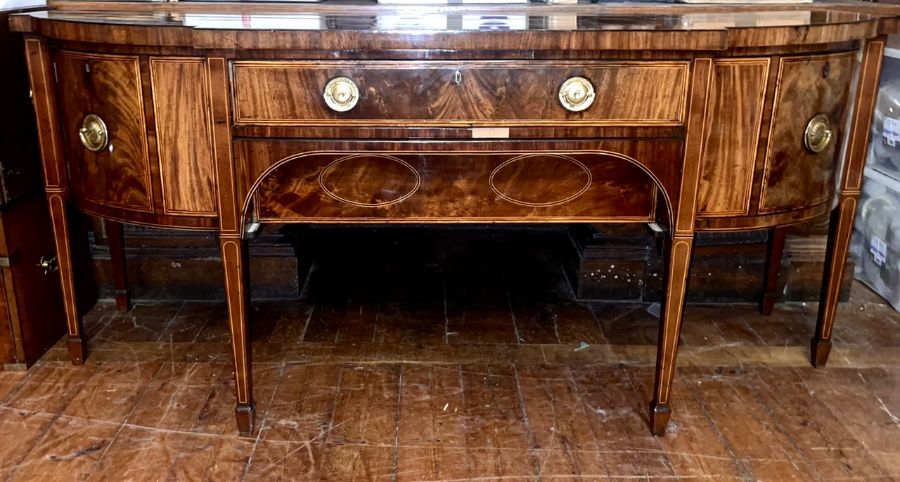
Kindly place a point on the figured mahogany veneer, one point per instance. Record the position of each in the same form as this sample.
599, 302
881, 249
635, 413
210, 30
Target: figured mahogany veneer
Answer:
187, 169
736, 105
108, 86
422, 93
299, 182
794, 177
149, 174
217, 120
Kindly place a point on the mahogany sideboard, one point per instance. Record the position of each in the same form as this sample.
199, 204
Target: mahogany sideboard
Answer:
218, 116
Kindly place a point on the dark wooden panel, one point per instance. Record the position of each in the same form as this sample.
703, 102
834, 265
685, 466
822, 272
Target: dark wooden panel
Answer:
108, 86
187, 165
20, 166
732, 128
33, 299
795, 178
446, 186
425, 92
7, 337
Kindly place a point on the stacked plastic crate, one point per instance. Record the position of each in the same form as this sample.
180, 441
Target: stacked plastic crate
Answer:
876, 240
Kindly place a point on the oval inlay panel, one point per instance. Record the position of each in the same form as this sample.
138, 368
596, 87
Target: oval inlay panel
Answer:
369, 180
540, 180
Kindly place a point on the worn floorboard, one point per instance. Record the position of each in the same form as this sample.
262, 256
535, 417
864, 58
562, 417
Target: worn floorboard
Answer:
459, 376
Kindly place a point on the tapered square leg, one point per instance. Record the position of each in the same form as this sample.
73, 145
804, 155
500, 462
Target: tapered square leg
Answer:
659, 418
77, 349
677, 269
839, 232
773, 265
820, 349
841, 226
59, 217
246, 418
43, 89
234, 259
115, 237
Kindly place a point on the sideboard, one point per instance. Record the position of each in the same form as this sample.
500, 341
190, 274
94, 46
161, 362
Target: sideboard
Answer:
223, 116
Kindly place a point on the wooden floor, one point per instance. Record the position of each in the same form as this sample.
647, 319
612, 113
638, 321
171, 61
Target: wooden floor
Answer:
478, 376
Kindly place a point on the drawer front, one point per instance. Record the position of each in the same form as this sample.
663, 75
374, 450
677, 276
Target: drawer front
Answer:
290, 181
442, 93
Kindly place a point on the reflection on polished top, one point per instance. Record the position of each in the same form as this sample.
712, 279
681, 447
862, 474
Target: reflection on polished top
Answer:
418, 20
331, 15
347, 26
14, 5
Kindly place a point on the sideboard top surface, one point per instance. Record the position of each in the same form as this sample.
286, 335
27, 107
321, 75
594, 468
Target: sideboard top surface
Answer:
330, 25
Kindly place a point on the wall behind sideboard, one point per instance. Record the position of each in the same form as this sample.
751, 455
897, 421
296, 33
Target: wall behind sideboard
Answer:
600, 262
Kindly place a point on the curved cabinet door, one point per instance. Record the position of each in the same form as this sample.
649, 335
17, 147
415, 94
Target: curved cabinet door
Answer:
795, 177
107, 86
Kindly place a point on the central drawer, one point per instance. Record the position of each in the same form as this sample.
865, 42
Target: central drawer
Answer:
505, 93
289, 181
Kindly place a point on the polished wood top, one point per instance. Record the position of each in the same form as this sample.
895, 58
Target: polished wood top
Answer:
336, 25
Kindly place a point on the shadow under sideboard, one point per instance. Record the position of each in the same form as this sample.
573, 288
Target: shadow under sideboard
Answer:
601, 262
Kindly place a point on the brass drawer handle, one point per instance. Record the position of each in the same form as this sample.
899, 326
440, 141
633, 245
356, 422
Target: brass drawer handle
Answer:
341, 94
576, 94
93, 133
818, 134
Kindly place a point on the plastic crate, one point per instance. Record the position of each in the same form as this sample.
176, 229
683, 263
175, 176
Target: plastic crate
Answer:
884, 148
876, 237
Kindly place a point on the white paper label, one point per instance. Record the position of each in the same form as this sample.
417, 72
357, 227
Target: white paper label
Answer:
490, 133
878, 248
890, 131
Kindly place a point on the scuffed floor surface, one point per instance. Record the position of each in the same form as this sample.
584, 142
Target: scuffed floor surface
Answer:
436, 378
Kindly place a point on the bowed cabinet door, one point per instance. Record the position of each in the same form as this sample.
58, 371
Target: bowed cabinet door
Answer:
794, 176
117, 174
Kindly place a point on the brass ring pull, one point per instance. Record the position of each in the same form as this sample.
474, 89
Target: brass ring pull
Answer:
818, 134
576, 94
93, 133
341, 94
